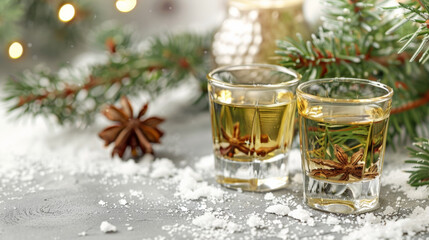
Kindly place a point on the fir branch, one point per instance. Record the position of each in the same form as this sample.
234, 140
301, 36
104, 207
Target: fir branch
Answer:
352, 43
345, 44
411, 105
167, 61
416, 13
420, 153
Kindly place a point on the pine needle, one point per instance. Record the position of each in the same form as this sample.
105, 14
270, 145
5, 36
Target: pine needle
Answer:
352, 42
420, 153
76, 99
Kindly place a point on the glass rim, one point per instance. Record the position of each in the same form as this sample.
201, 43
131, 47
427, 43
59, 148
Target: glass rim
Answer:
296, 76
384, 97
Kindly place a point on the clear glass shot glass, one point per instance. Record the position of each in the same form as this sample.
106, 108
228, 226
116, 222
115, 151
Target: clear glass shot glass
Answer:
343, 125
252, 113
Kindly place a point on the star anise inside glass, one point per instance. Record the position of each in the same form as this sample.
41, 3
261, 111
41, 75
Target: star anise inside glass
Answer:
235, 142
345, 166
242, 143
136, 133
372, 172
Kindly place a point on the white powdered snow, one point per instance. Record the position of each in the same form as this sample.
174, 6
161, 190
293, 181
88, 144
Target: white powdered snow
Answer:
389, 210
417, 221
332, 220
269, 196
129, 167
210, 221
206, 165
398, 180
107, 227
368, 218
255, 221
190, 188
278, 209
61, 151
302, 215
283, 234
162, 168
123, 202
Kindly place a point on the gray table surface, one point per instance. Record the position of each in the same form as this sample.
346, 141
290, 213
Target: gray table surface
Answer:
48, 190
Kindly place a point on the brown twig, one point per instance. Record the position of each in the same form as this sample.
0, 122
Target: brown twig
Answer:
411, 105
68, 90
318, 61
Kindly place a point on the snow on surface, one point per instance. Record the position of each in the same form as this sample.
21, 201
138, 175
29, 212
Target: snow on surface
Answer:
107, 227
278, 209
398, 180
32, 149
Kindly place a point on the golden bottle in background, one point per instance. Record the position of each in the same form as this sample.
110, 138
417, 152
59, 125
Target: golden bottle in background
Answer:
252, 27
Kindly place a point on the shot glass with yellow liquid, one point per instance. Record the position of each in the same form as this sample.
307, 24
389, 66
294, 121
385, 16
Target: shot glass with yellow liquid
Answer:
343, 126
252, 113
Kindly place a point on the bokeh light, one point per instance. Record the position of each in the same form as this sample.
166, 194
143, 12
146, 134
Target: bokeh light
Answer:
66, 12
16, 50
126, 5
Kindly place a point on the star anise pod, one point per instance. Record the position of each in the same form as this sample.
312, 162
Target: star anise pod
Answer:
242, 143
235, 142
136, 133
372, 172
263, 151
345, 166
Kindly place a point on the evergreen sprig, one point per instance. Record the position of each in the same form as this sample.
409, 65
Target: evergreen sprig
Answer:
75, 99
415, 13
420, 153
352, 42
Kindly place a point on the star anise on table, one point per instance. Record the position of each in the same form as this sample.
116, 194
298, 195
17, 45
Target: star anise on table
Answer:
345, 166
136, 133
241, 143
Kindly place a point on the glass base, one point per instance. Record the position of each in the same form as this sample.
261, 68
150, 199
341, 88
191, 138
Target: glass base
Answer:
347, 198
255, 176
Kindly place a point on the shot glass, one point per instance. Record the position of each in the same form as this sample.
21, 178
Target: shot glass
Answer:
343, 126
252, 113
